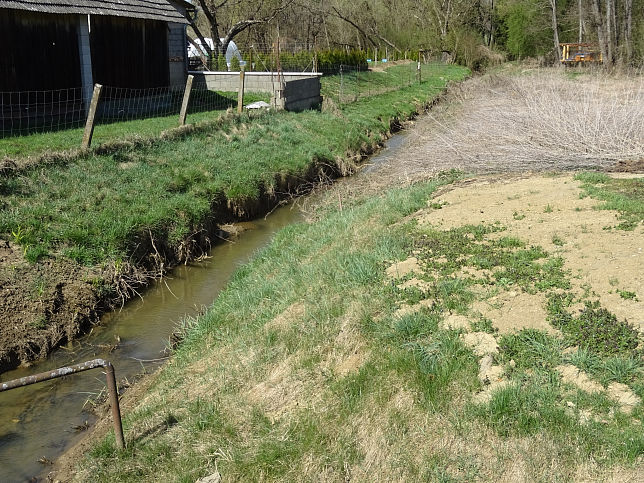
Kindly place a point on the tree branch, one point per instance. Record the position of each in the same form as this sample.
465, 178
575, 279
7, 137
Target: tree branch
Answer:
354, 25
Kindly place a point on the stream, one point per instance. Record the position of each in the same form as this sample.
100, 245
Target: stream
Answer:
40, 422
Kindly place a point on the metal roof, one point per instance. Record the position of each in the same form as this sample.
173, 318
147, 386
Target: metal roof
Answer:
146, 9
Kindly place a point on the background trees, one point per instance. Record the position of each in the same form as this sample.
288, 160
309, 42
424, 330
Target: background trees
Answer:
467, 31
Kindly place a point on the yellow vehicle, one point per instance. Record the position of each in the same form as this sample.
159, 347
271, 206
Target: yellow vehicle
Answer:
578, 53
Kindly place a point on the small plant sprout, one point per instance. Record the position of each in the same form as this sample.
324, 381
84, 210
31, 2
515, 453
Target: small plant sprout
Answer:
557, 240
627, 295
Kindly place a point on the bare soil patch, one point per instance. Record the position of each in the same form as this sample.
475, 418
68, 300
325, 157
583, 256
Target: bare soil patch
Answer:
549, 212
42, 305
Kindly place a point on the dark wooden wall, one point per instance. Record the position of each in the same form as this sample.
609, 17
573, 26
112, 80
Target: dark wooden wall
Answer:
129, 52
38, 51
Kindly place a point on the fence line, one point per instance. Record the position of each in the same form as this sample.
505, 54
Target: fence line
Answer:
23, 113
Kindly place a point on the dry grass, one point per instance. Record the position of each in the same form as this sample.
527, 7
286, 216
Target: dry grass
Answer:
544, 120
533, 120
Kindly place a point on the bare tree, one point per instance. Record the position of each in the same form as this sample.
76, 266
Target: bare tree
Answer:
601, 31
628, 29
255, 13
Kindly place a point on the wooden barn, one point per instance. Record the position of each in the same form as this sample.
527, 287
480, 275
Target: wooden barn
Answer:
64, 44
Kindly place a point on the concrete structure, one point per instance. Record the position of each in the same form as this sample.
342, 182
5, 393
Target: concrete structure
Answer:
301, 90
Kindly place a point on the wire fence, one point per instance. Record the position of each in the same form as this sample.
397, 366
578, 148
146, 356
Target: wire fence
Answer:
23, 113
354, 82
31, 111
123, 104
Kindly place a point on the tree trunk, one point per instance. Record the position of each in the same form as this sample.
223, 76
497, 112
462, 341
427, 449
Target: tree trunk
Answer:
555, 30
214, 27
601, 33
581, 23
628, 29
610, 42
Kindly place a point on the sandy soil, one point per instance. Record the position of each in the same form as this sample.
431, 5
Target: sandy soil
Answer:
548, 212
545, 211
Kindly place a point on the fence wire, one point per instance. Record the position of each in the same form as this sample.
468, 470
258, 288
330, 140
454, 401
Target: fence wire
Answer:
349, 83
122, 104
29, 112
23, 113
37, 111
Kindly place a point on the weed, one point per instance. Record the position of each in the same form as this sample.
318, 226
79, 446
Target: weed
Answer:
595, 328
557, 240
531, 348
548, 209
518, 216
39, 288
483, 324
623, 195
627, 295
18, 235
39, 323
525, 410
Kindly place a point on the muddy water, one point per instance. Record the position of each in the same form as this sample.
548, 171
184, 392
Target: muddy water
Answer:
43, 420
39, 422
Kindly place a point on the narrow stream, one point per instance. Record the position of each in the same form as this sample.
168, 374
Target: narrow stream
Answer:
39, 422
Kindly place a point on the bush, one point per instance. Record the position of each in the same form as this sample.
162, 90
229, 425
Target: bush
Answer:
234, 65
328, 61
221, 64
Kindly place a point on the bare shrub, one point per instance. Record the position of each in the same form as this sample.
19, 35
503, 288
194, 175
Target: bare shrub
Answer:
544, 119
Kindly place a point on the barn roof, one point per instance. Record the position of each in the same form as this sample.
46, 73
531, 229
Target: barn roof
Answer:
146, 9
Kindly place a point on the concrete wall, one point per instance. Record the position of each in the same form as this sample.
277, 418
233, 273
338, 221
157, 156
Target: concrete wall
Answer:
177, 53
302, 94
301, 90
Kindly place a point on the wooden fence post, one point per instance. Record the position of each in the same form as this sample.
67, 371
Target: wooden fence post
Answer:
240, 96
186, 99
89, 124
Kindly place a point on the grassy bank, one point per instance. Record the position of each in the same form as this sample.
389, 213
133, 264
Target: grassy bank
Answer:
350, 349
79, 233
100, 208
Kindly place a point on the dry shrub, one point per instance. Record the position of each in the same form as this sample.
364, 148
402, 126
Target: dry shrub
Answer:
544, 120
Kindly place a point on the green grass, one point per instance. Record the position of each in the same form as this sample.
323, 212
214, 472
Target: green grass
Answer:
100, 208
344, 386
70, 139
353, 85
623, 195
